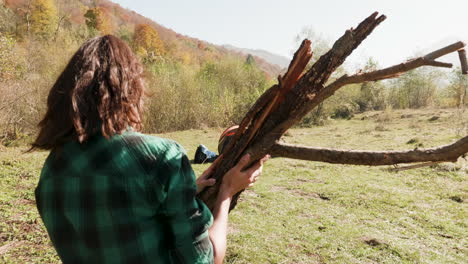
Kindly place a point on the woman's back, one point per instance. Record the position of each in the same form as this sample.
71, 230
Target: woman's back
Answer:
126, 199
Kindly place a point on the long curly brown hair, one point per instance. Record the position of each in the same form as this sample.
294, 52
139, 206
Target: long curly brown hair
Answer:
100, 90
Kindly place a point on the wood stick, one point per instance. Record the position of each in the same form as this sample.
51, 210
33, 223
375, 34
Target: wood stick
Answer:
254, 119
445, 50
397, 70
301, 99
285, 104
448, 153
463, 62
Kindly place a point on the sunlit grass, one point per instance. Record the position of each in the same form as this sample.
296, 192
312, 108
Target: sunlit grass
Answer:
305, 212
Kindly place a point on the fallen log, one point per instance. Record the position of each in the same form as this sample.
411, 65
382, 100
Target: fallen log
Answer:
286, 103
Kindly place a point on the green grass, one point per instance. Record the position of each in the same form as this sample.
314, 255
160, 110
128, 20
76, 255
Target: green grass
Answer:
305, 212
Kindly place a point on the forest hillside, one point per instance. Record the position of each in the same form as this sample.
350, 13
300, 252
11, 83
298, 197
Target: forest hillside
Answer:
192, 83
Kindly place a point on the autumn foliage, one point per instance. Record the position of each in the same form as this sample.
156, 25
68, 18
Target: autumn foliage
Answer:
44, 18
147, 43
99, 19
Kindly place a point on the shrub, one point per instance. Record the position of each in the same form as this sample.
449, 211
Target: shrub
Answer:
415, 89
216, 94
345, 111
44, 18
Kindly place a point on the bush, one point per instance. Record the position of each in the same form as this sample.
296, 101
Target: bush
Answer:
11, 61
317, 117
415, 89
345, 111
29, 70
214, 95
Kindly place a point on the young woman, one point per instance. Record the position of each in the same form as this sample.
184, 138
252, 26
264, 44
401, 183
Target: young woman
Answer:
109, 194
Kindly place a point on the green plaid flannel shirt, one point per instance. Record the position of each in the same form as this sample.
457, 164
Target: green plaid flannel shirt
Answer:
127, 199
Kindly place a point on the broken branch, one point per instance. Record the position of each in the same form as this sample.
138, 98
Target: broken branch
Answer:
396, 70
448, 153
463, 61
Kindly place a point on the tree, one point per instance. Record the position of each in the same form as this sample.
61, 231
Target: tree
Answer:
147, 43
297, 93
250, 60
98, 19
44, 18
458, 88
7, 19
372, 94
416, 89
10, 67
125, 34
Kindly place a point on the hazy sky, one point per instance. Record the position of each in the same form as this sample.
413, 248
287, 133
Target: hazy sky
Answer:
412, 26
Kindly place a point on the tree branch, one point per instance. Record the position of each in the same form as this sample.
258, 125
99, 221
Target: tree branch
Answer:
463, 61
396, 70
303, 97
449, 153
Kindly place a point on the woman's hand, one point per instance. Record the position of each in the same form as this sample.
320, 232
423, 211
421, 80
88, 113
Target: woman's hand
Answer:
237, 179
203, 181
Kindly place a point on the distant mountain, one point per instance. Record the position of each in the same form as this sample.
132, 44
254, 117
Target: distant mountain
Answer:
199, 50
269, 57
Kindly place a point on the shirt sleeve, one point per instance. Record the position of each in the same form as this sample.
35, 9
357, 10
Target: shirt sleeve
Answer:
188, 218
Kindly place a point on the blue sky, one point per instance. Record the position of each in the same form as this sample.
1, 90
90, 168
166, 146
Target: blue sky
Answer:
412, 26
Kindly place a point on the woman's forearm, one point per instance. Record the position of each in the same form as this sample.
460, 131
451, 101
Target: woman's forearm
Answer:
218, 231
235, 180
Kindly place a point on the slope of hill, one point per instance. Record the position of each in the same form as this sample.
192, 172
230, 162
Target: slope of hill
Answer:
270, 57
199, 50
266, 61
122, 23
197, 84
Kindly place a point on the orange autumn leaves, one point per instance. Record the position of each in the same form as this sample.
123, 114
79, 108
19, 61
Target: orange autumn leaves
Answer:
147, 43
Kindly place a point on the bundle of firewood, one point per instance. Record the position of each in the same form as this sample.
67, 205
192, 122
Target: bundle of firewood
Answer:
297, 93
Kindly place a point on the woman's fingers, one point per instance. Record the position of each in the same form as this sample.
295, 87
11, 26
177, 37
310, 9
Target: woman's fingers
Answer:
255, 175
237, 179
253, 179
217, 160
265, 158
203, 180
256, 170
202, 183
209, 182
257, 166
210, 169
243, 162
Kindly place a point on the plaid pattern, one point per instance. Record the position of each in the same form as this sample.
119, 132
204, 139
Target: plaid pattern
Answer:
129, 199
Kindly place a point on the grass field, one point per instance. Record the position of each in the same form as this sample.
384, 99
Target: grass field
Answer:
306, 212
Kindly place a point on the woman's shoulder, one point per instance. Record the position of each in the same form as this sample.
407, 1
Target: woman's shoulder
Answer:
152, 144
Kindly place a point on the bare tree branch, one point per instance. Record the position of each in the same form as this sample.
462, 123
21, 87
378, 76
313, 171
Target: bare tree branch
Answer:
449, 153
396, 70
463, 61
285, 104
